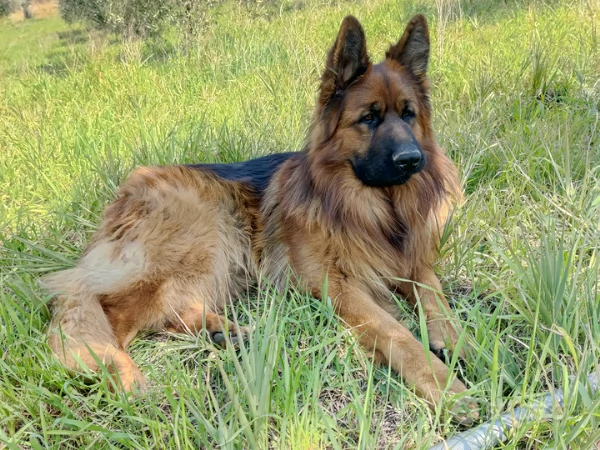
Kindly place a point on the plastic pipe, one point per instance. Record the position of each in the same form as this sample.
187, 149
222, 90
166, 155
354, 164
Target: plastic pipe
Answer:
489, 434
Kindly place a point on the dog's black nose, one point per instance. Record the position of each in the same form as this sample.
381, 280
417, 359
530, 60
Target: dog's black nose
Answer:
407, 157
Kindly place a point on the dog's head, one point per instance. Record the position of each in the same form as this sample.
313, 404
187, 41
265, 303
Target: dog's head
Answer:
375, 118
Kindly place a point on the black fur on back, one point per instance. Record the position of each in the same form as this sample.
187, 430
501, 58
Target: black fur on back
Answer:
256, 172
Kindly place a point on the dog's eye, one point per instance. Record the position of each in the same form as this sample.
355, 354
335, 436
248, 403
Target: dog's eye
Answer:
371, 120
368, 118
408, 115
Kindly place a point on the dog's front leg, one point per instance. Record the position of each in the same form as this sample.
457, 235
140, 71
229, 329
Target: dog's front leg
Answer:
394, 344
443, 329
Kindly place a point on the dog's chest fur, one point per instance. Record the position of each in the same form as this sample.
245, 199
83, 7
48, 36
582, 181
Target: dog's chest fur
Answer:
292, 234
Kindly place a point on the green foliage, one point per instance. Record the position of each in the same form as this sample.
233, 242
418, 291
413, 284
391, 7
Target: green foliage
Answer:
127, 17
516, 104
147, 18
6, 7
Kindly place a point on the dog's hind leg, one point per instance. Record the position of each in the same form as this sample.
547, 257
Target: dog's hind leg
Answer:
198, 318
124, 371
183, 303
81, 337
173, 238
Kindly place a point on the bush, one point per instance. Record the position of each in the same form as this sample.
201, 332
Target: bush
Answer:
149, 18
6, 7
141, 18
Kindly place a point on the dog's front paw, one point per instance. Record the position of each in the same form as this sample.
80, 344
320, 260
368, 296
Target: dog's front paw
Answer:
235, 336
464, 411
443, 335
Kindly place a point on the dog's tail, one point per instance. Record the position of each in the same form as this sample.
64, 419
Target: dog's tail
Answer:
80, 333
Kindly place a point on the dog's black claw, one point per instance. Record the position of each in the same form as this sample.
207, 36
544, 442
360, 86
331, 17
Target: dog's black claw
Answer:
217, 337
445, 355
442, 354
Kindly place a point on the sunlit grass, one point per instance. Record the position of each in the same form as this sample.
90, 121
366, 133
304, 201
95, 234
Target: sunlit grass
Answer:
516, 105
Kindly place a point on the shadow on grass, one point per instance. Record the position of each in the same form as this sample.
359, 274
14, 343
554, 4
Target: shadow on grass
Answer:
63, 61
69, 54
73, 37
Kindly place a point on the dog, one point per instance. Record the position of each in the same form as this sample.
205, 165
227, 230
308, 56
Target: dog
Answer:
362, 206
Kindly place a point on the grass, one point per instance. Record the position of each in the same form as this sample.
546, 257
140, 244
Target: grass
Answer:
516, 100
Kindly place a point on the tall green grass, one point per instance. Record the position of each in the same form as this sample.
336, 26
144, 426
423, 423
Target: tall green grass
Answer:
516, 104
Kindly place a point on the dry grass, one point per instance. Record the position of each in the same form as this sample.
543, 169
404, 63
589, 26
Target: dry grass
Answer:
41, 9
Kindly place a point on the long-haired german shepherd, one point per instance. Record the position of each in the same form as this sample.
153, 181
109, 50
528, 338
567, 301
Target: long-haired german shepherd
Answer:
361, 206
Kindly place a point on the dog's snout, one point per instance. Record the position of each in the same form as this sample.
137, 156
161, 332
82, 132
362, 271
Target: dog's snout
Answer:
407, 157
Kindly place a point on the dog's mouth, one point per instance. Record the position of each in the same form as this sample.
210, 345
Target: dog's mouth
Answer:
404, 179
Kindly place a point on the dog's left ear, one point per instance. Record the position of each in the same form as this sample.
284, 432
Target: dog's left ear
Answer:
412, 50
347, 60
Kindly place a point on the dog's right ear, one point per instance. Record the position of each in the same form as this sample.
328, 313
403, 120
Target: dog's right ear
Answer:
347, 60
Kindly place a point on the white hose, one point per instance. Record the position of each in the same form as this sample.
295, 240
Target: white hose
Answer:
489, 434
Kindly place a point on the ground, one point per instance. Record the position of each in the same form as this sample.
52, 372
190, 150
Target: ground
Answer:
516, 100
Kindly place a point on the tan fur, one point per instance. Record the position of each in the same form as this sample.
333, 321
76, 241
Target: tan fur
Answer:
180, 242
